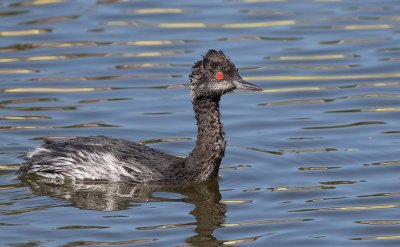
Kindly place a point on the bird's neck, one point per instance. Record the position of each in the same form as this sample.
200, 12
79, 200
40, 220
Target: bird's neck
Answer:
203, 162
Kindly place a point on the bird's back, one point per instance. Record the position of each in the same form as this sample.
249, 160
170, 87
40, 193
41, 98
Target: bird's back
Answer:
101, 158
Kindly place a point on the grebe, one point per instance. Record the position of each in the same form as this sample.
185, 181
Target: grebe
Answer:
108, 159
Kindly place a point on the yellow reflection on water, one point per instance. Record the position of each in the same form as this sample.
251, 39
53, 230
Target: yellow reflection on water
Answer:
17, 71
39, 2
142, 65
380, 84
83, 43
379, 222
389, 109
44, 58
6, 188
165, 226
22, 117
240, 241
67, 44
204, 25
7, 128
8, 167
391, 18
260, 24
90, 125
379, 238
49, 20
157, 11
23, 32
151, 54
371, 95
182, 25
9, 60
236, 201
366, 27
53, 90
151, 42
71, 56
35, 58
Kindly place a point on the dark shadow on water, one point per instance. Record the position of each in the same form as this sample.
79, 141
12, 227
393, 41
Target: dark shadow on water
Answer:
209, 212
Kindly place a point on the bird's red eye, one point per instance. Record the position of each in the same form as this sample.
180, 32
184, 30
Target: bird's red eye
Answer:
219, 76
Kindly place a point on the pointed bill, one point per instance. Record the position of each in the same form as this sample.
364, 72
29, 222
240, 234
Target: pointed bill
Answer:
242, 84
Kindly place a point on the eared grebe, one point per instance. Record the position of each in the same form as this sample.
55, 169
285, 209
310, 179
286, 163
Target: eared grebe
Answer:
109, 159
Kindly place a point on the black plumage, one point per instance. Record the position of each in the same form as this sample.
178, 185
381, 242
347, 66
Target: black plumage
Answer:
109, 159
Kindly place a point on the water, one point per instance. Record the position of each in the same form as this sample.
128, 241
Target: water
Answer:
312, 160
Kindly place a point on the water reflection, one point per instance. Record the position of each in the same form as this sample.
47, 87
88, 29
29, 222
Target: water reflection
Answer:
35, 2
321, 142
24, 32
50, 20
203, 24
157, 11
209, 211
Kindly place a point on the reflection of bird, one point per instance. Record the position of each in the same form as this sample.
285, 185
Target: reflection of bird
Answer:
95, 195
105, 158
208, 211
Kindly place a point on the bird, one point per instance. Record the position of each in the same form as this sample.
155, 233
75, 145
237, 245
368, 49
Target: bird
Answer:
102, 158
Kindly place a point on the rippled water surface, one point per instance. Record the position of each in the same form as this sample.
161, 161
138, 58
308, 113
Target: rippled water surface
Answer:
312, 160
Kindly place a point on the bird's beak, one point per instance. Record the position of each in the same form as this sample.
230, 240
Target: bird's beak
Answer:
242, 84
